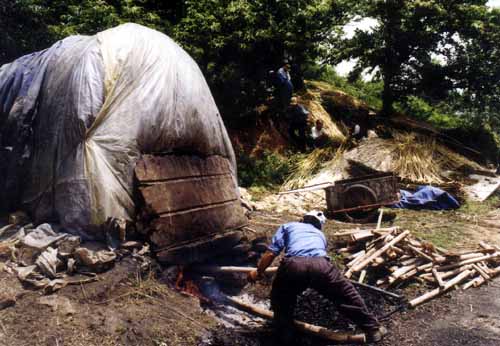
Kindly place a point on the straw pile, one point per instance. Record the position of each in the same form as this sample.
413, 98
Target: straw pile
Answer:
420, 159
310, 165
414, 158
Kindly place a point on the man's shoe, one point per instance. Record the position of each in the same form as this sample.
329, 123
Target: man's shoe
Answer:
376, 335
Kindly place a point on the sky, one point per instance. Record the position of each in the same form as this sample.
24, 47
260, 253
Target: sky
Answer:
365, 24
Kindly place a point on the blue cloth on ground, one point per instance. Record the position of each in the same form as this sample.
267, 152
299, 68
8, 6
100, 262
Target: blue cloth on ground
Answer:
427, 197
299, 239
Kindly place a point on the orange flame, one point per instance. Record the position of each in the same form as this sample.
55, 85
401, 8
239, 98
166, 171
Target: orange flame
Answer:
188, 287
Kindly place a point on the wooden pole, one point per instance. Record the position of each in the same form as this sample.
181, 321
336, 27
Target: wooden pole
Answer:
301, 326
436, 292
438, 278
213, 269
379, 221
376, 254
470, 261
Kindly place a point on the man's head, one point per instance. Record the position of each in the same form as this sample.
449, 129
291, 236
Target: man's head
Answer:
286, 65
315, 218
319, 124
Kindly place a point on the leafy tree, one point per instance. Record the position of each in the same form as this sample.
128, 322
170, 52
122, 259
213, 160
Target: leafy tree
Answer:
405, 43
476, 67
72, 17
237, 41
23, 28
30, 25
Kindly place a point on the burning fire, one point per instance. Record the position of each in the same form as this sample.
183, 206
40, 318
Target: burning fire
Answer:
186, 285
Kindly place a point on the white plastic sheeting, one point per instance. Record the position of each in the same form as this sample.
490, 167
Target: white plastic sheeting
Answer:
90, 105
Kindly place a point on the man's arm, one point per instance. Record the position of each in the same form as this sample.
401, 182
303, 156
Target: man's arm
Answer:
264, 262
274, 249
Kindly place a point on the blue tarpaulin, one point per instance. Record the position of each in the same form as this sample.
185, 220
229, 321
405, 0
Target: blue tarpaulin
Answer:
427, 197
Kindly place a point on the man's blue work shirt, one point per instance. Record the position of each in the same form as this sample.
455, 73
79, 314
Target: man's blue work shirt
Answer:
299, 239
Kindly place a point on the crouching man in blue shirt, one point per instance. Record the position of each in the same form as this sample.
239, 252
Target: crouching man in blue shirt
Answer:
306, 265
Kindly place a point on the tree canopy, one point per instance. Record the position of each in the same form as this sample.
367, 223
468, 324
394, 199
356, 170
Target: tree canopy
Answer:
411, 43
437, 50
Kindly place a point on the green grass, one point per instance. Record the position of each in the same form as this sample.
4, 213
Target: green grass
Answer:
480, 208
267, 172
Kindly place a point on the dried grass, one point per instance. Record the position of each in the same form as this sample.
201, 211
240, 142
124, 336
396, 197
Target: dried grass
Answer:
310, 165
420, 159
414, 158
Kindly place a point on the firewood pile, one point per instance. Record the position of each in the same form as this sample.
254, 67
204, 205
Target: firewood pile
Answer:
391, 257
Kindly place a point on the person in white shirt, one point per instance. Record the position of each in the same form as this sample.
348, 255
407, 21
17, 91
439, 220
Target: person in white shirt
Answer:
317, 130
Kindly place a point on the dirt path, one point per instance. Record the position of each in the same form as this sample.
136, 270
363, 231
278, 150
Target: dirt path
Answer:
461, 318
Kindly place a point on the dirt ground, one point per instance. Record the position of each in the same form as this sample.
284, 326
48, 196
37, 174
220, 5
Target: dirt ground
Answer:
126, 307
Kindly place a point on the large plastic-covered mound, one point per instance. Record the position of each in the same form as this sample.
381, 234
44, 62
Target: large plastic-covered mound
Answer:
75, 118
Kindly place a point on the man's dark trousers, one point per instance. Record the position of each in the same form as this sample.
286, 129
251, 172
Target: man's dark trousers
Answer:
296, 274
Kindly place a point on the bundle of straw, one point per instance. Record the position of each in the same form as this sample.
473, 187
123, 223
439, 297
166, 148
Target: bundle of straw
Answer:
414, 158
310, 165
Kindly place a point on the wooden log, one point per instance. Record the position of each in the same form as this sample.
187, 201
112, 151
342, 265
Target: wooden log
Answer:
471, 261
213, 269
363, 235
362, 276
472, 282
484, 267
420, 253
391, 254
377, 253
470, 255
361, 258
427, 266
487, 247
171, 196
437, 258
360, 234
400, 272
457, 271
409, 274
380, 215
348, 249
301, 326
457, 254
378, 241
427, 278
413, 242
385, 230
409, 261
436, 292
313, 187
438, 278
478, 281
481, 271
356, 255
398, 250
